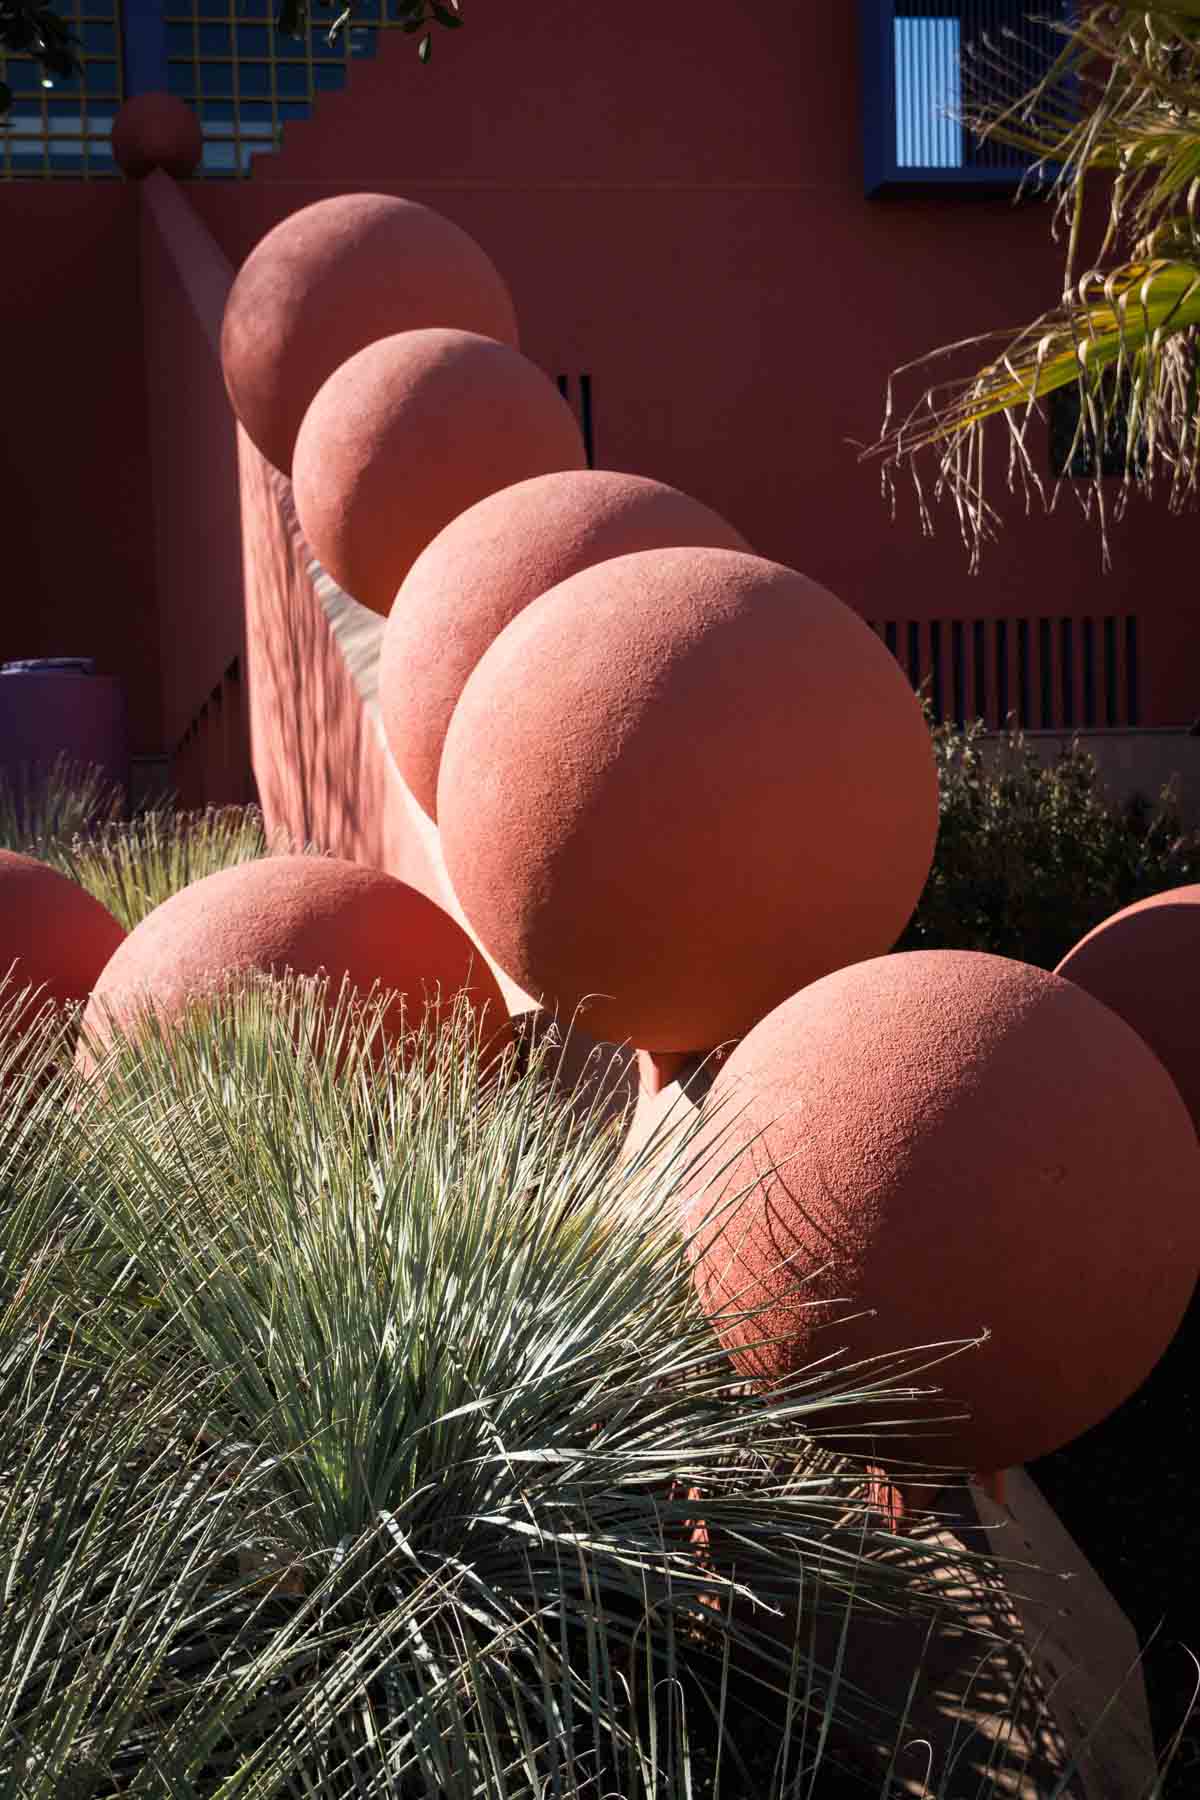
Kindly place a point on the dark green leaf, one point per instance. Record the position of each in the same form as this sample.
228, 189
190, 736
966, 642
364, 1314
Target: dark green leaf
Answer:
444, 16
425, 48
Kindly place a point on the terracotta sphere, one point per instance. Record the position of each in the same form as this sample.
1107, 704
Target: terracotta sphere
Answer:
409, 432
53, 935
681, 785
308, 914
333, 278
1144, 963
487, 565
157, 131
955, 1142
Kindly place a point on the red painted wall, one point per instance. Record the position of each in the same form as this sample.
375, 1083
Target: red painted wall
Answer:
323, 771
77, 575
197, 537
677, 203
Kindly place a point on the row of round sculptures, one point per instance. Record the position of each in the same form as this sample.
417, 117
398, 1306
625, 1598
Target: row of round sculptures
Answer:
686, 792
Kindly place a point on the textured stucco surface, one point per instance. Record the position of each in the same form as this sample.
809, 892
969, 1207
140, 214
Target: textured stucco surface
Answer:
1144, 963
678, 787
409, 432
309, 914
949, 1142
157, 131
321, 765
53, 935
334, 277
488, 565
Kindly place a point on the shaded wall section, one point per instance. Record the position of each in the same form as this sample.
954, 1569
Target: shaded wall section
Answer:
324, 773
75, 511
194, 476
680, 214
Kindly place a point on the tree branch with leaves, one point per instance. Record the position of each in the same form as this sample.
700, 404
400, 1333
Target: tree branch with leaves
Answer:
411, 15
38, 32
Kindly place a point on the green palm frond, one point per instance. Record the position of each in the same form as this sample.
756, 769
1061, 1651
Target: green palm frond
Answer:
1121, 101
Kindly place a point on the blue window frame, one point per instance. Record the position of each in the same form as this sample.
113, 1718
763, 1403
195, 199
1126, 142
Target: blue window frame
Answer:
913, 57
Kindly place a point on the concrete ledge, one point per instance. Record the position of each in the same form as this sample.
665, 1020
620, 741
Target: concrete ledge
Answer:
1133, 762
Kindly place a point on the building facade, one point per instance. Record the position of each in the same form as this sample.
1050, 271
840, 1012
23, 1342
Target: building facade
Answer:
724, 229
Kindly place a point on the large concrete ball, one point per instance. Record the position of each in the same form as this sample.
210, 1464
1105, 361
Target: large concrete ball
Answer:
1144, 962
331, 279
681, 785
53, 935
157, 131
308, 914
407, 434
486, 567
948, 1142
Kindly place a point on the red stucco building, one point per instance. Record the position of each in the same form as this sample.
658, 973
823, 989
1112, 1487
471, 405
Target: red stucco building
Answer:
679, 199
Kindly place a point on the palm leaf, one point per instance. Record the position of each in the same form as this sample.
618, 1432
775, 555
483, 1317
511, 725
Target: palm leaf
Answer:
1121, 99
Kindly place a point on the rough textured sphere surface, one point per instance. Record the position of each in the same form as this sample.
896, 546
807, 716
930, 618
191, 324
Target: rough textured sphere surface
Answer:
331, 279
486, 567
679, 786
1144, 962
309, 914
955, 1142
53, 935
407, 434
157, 131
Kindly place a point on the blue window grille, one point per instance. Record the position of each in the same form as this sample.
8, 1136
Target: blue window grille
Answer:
224, 57
63, 129
914, 57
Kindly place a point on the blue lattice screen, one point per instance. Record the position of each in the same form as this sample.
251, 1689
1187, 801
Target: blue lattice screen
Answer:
246, 81
64, 129
224, 57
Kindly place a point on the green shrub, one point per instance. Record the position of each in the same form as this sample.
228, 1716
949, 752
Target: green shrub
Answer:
1032, 854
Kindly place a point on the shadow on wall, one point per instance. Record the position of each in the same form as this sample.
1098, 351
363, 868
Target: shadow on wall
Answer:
320, 774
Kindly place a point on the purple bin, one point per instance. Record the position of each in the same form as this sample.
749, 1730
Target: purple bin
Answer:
57, 706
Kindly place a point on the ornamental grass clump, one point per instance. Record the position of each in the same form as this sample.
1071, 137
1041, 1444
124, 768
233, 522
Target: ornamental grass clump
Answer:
43, 808
72, 817
133, 865
364, 1417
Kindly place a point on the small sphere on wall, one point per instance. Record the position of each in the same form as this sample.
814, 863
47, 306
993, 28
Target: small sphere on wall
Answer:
157, 131
333, 278
1144, 963
407, 434
678, 787
309, 914
53, 934
949, 1142
486, 567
